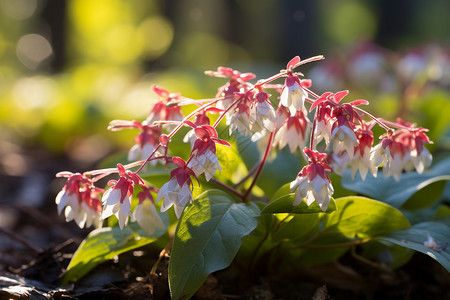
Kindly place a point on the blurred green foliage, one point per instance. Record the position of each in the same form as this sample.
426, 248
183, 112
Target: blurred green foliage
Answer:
68, 68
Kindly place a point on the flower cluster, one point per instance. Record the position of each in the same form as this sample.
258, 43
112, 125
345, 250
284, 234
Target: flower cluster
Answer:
340, 137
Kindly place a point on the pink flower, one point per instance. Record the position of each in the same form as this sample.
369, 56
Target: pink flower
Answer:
166, 109
238, 83
403, 150
79, 200
117, 199
177, 191
200, 119
293, 131
203, 157
146, 141
312, 183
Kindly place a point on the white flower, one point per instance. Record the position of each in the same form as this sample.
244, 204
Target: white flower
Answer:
175, 195
322, 132
66, 198
421, 161
292, 93
137, 152
344, 138
205, 163
262, 116
148, 217
112, 205
363, 164
312, 183
318, 190
293, 132
340, 162
239, 122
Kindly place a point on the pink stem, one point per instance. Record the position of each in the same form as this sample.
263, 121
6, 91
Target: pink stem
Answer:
263, 161
224, 113
229, 188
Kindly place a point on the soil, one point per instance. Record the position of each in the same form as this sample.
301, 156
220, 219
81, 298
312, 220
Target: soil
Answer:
36, 246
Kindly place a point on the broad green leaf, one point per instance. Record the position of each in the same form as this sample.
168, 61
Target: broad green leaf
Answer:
364, 218
321, 251
416, 236
395, 193
207, 238
299, 228
282, 191
103, 244
285, 205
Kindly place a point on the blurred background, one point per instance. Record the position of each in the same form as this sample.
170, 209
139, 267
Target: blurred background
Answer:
67, 68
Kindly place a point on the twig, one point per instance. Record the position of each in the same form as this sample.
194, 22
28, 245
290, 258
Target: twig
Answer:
22, 241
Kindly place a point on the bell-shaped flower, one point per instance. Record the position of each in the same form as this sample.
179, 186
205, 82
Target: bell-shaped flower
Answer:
292, 93
145, 212
167, 109
79, 200
203, 157
312, 182
117, 199
237, 83
239, 117
200, 119
403, 150
146, 141
177, 191
342, 134
262, 114
293, 131
362, 161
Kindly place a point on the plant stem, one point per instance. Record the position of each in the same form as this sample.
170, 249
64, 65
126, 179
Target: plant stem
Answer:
261, 165
229, 188
249, 174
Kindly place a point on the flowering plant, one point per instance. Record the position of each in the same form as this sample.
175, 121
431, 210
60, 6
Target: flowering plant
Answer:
236, 197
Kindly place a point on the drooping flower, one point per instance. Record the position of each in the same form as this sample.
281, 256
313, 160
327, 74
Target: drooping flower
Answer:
117, 199
167, 108
293, 131
362, 161
262, 114
200, 119
203, 157
145, 212
177, 191
402, 150
292, 93
237, 83
312, 182
146, 141
79, 200
239, 117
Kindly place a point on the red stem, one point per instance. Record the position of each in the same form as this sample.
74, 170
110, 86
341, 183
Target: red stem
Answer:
229, 188
263, 161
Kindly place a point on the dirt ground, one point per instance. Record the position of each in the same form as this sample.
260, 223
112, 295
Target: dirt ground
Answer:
36, 246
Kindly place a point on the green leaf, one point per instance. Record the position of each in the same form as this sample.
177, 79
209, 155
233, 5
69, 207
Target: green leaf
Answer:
299, 228
207, 239
396, 193
285, 205
364, 218
103, 244
416, 236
